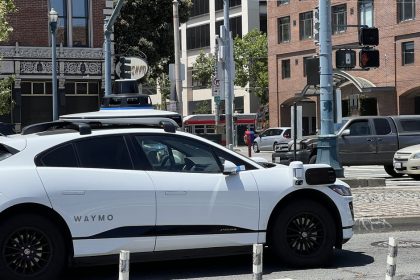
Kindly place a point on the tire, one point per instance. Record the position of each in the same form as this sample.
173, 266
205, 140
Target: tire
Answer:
415, 176
312, 159
289, 235
389, 169
255, 147
20, 235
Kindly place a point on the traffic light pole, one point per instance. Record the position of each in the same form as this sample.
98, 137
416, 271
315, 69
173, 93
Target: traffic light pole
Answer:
327, 143
178, 82
228, 78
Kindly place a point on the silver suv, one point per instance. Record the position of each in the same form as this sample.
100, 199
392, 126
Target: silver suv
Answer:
268, 139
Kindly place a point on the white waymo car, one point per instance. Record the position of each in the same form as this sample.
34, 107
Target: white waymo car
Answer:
72, 191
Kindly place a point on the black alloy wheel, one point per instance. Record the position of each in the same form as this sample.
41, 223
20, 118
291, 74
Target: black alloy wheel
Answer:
27, 251
304, 234
31, 247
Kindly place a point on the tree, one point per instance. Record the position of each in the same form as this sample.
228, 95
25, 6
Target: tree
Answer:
203, 69
6, 7
250, 55
251, 65
146, 26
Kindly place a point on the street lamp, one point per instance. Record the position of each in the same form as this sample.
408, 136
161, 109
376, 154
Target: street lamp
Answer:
53, 18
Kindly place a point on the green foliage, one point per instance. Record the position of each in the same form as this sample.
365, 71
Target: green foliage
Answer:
203, 69
146, 26
203, 107
250, 55
6, 101
6, 7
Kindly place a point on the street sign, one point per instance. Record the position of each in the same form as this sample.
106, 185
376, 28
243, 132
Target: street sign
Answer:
135, 67
215, 87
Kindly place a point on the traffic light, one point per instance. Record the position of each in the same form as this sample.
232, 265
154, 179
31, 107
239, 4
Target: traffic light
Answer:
312, 71
125, 68
368, 58
369, 36
345, 59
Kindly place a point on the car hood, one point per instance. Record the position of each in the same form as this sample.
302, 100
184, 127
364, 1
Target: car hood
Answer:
410, 149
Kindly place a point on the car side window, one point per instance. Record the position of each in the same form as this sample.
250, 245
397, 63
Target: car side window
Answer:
382, 126
287, 133
177, 154
63, 156
277, 132
108, 152
359, 128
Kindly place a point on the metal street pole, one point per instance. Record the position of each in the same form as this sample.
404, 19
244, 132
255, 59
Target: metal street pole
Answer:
327, 145
107, 45
53, 17
228, 79
178, 82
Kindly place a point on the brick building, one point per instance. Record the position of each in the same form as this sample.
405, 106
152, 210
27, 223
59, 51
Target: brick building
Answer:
393, 88
80, 62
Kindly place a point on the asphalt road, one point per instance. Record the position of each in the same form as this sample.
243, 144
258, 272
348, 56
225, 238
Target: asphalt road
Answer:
363, 257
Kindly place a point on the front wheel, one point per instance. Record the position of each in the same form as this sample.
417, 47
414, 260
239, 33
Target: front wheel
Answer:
31, 247
304, 234
389, 169
255, 147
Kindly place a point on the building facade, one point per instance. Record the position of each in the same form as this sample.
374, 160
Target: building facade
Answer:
392, 88
80, 62
198, 34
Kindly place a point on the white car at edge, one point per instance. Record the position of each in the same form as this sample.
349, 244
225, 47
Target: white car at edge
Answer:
71, 192
407, 161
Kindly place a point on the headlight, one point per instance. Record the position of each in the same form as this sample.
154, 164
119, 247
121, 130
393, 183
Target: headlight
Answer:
341, 190
416, 155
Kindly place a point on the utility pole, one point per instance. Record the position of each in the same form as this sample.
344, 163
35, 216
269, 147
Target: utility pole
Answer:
178, 82
327, 143
107, 45
228, 77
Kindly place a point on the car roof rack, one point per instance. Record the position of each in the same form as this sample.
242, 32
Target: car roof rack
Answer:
85, 126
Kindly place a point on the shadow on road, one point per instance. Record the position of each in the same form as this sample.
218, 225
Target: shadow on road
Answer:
208, 267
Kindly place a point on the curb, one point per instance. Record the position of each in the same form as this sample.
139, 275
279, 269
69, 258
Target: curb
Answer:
364, 182
385, 224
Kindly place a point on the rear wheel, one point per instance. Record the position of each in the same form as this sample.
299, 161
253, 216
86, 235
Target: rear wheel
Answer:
415, 176
255, 147
391, 171
304, 234
31, 247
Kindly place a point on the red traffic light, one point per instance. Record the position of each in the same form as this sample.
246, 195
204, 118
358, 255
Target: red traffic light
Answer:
369, 58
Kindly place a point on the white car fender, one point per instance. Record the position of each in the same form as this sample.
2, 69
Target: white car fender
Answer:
12, 193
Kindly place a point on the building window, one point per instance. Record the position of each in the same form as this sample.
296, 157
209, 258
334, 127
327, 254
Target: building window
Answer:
82, 88
198, 37
282, 2
73, 22
366, 12
305, 25
406, 10
232, 3
339, 18
407, 53
199, 7
36, 88
285, 69
235, 25
283, 29
305, 61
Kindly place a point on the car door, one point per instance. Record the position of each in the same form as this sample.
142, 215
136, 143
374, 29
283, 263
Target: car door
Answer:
266, 139
386, 139
359, 147
107, 204
198, 206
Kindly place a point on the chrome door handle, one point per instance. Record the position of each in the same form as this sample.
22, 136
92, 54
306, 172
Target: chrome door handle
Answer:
370, 140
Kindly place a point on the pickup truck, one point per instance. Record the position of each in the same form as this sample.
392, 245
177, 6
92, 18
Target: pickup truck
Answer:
371, 140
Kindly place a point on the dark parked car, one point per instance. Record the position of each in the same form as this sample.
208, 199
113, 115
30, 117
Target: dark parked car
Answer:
6, 128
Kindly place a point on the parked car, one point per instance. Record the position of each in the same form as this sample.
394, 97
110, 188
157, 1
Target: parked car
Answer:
6, 129
407, 161
73, 191
268, 139
371, 140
